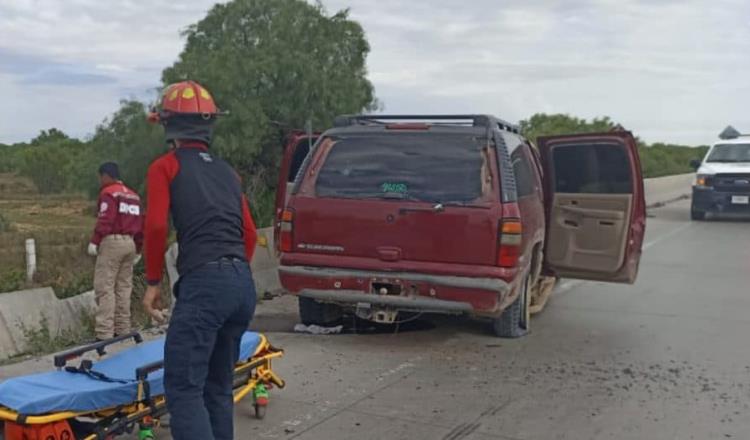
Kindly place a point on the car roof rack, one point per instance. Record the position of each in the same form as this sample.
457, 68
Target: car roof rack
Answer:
486, 121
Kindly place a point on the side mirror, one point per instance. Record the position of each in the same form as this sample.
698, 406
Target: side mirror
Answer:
695, 164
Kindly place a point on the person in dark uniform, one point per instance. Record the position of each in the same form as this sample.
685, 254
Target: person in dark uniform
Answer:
215, 292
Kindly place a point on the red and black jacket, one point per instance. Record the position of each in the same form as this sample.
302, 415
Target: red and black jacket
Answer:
119, 214
209, 211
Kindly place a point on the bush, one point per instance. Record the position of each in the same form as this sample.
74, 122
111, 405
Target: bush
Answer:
46, 159
664, 159
12, 280
656, 160
9, 157
43, 166
41, 341
76, 283
5, 224
67, 268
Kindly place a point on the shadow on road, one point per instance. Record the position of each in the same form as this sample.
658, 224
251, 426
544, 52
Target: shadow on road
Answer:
280, 316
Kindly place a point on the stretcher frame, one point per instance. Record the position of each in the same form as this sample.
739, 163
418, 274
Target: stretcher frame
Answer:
250, 375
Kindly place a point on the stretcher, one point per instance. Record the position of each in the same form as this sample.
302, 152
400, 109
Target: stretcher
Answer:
117, 394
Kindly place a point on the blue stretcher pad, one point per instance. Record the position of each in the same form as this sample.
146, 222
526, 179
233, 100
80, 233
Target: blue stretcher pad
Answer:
60, 391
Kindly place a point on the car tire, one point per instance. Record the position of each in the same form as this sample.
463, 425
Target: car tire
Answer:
260, 411
696, 214
516, 318
312, 312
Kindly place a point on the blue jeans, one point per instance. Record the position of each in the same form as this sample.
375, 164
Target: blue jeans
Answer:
214, 306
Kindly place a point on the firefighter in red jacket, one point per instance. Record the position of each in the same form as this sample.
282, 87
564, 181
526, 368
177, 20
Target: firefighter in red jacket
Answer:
116, 243
215, 292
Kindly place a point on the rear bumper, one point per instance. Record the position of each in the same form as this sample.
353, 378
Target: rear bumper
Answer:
405, 303
709, 199
420, 291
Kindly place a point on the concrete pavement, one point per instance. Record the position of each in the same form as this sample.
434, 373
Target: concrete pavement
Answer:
666, 358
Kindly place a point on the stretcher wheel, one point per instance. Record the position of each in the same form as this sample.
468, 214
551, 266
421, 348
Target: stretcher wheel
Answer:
260, 411
260, 400
146, 434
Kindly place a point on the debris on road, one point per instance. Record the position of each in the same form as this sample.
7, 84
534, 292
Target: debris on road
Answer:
318, 330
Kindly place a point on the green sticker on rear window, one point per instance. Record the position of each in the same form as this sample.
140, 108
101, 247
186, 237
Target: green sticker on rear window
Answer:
399, 188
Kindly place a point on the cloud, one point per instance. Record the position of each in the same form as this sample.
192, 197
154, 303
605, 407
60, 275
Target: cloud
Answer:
113, 68
671, 70
83, 51
36, 70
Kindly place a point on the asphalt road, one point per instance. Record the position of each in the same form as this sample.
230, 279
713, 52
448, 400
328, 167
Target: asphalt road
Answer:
666, 358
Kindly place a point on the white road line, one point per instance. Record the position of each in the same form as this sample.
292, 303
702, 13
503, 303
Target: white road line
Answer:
667, 235
569, 284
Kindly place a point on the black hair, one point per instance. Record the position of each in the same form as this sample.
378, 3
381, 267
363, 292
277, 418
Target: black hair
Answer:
111, 169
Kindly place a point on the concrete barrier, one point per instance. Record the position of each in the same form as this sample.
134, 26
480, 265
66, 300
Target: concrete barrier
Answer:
661, 190
25, 311
265, 264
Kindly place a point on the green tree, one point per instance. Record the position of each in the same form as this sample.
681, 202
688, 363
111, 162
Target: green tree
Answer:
658, 159
45, 160
9, 157
126, 138
542, 124
274, 64
48, 137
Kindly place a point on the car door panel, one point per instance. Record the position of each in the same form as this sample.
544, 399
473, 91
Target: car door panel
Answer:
595, 206
296, 148
589, 231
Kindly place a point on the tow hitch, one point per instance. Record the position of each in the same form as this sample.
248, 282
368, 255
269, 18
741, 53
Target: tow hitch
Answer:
379, 314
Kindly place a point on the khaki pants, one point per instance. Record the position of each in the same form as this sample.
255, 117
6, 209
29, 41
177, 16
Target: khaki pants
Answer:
113, 285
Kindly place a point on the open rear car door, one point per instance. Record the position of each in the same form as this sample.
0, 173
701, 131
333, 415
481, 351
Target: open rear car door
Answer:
596, 211
296, 149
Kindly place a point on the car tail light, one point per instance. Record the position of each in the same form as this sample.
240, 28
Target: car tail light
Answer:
286, 231
509, 248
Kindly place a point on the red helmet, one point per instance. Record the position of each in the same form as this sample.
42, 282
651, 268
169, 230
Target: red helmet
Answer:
184, 98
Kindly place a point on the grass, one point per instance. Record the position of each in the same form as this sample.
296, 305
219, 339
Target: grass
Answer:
41, 341
61, 226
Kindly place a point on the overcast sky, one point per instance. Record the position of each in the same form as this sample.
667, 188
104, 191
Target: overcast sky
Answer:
670, 70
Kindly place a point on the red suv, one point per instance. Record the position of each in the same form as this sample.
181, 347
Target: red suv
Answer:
451, 214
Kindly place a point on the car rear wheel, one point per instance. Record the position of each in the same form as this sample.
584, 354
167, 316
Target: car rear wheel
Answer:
312, 312
515, 320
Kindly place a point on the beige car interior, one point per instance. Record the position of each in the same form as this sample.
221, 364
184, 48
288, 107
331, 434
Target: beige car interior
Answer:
589, 227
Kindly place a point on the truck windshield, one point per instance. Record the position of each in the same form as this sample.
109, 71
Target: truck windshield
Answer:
426, 167
730, 153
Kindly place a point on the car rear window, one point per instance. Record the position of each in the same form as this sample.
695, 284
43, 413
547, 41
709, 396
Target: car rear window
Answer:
422, 167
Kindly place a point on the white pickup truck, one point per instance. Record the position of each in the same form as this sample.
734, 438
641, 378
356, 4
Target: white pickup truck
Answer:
722, 183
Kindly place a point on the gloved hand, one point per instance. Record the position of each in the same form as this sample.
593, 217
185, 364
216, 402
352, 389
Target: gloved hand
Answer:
93, 249
137, 259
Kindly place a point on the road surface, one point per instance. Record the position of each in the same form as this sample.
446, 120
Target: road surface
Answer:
667, 358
